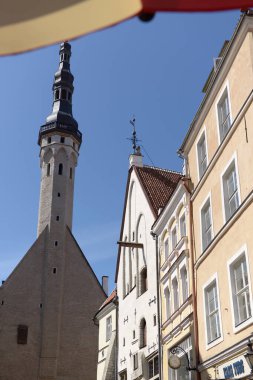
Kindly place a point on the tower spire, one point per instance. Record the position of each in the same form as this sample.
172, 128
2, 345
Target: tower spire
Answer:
61, 119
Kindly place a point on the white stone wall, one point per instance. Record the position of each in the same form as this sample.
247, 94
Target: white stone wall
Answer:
133, 306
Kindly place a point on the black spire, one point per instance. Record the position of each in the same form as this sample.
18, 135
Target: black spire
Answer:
61, 118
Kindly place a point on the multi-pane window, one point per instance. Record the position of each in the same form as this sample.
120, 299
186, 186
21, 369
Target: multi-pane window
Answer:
175, 293
108, 328
182, 225
202, 156
173, 238
224, 115
184, 281
182, 373
212, 312
240, 290
230, 191
153, 369
167, 302
206, 224
166, 249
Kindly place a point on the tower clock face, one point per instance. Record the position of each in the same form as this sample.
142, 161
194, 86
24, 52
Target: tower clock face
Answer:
174, 362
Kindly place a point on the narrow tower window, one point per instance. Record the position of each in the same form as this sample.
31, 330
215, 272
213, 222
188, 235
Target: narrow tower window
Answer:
54, 270
57, 218
63, 94
70, 173
48, 169
22, 334
56, 95
49, 140
60, 170
62, 139
69, 96
56, 243
58, 195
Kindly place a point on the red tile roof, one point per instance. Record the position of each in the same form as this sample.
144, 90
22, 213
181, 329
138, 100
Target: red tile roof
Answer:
109, 299
158, 184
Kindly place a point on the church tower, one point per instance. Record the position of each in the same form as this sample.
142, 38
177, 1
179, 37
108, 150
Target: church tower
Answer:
48, 302
60, 141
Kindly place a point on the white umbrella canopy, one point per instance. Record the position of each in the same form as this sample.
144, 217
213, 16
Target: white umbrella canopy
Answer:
29, 24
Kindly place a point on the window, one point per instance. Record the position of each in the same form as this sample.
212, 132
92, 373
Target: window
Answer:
56, 95
63, 94
174, 238
22, 334
153, 369
240, 290
143, 281
230, 191
175, 294
124, 342
206, 224
48, 169
57, 218
133, 334
108, 328
202, 156
182, 226
184, 281
62, 139
60, 170
58, 195
135, 361
70, 173
166, 249
123, 376
49, 140
167, 302
143, 333
154, 320
224, 118
212, 312
182, 373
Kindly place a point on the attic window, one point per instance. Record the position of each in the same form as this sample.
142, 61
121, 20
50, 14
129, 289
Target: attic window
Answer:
40, 305
22, 334
48, 169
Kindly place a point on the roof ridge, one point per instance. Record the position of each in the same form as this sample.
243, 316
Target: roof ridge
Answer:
162, 169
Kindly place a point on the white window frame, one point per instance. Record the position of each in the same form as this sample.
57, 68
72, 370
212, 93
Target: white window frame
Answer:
211, 280
208, 198
173, 246
223, 174
202, 135
186, 344
166, 241
221, 94
168, 310
180, 219
183, 265
238, 254
173, 278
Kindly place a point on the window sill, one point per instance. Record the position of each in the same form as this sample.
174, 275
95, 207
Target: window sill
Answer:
242, 325
214, 342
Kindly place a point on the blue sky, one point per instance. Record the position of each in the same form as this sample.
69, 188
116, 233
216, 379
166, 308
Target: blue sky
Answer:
154, 70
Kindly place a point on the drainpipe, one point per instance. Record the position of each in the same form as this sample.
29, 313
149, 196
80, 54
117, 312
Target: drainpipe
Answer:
194, 284
160, 354
117, 336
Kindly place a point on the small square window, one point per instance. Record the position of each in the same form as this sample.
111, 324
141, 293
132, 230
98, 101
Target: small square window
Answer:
202, 155
62, 139
154, 319
59, 194
108, 328
49, 140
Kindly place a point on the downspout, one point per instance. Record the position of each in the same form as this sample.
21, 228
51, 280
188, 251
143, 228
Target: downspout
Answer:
194, 285
160, 353
117, 335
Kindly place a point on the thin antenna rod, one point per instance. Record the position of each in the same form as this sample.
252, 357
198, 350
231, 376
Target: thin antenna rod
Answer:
134, 138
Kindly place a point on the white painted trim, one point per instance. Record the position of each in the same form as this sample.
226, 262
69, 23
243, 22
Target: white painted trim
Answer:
240, 252
200, 135
212, 279
221, 92
233, 158
208, 197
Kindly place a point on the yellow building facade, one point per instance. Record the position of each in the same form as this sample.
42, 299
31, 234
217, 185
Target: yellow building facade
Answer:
218, 154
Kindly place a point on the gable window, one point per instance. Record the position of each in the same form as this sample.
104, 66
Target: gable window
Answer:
206, 224
224, 117
174, 238
202, 155
143, 333
230, 191
153, 369
167, 302
212, 312
182, 226
166, 249
240, 290
108, 328
143, 281
184, 282
175, 294
22, 334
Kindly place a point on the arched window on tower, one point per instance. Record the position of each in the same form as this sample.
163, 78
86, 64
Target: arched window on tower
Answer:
64, 94
143, 333
143, 281
70, 173
48, 169
60, 170
56, 95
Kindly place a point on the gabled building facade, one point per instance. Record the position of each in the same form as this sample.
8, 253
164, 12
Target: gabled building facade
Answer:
148, 190
49, 300
218, 154
173, 229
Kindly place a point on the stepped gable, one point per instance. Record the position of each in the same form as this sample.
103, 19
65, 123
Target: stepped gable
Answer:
158, 184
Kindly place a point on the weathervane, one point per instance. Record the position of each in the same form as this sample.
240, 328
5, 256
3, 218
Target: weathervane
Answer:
134, 139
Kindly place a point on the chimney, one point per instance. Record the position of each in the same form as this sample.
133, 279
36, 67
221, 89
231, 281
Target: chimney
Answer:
105, 284
135, 159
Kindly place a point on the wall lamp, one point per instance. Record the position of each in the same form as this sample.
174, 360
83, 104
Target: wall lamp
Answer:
175, 361
249, 355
